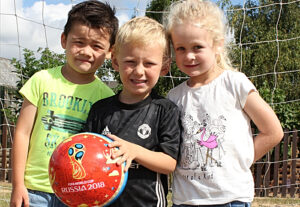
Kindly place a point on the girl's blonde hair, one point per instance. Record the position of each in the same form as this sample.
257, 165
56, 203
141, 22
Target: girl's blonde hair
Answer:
205, 15
142, 31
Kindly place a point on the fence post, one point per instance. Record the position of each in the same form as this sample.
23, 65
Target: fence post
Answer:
276, 170
258, 172
9, 172
293, 167
266, 180
284, 164
4, 149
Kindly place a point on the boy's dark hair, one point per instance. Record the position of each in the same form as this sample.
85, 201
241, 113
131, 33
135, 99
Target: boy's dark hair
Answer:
94, 14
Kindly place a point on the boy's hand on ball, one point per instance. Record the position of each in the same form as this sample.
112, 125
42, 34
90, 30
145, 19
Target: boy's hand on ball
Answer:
127, 151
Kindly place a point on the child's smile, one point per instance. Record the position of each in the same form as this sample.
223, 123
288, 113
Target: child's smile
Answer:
139, 68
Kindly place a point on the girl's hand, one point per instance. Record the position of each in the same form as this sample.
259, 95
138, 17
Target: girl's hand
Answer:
126, 151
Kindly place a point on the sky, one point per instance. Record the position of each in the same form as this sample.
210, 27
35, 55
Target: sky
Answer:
28, 31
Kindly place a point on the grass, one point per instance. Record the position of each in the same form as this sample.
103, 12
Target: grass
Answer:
265, 202
275, 202
5, 190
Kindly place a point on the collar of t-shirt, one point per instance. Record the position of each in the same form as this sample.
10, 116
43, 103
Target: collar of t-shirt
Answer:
140, 104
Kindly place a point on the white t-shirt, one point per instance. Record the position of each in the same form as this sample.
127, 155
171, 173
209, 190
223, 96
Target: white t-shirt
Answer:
217, 149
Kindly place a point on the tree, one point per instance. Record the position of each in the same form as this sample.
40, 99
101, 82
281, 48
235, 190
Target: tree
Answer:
261, 55
155, 9
258, 28
26, 68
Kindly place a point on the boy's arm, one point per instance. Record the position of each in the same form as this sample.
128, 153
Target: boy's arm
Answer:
19, 153
270, 130
155, 161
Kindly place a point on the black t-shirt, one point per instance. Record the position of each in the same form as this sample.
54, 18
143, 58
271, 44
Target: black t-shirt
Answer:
154, 124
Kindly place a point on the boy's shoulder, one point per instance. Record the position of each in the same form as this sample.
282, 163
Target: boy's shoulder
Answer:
158, 98
48, 71
162, 101
109, 101
46, 74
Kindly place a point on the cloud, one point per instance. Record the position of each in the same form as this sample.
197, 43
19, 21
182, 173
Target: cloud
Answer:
41, 24
123, 17
35, 27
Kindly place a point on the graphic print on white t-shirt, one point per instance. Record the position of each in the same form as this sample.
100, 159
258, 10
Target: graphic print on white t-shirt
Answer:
202, 147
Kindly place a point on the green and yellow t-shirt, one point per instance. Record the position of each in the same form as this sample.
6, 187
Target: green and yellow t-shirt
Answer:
62, 109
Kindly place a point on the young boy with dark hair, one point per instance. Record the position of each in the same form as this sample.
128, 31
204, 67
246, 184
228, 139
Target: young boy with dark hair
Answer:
147, 123
57, 101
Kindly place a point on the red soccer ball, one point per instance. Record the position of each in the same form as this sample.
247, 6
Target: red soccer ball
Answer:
82, 173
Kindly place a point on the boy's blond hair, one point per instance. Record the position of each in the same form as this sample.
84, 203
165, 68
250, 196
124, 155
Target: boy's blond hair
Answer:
204, 14
142, 31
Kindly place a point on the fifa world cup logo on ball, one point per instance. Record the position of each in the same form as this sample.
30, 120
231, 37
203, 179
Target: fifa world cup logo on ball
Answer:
76, 153
83, 173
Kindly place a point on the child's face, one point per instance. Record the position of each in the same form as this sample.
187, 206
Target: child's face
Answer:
194, 51
139, 68
86, 49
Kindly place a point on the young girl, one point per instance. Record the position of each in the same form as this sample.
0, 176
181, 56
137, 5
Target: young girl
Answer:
217, 105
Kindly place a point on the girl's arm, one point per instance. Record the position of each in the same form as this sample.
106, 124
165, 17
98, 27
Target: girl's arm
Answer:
270, 130
19, 153
155, 161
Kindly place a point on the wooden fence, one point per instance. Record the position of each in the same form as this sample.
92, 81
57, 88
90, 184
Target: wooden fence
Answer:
5, 151
275, 175
278, 173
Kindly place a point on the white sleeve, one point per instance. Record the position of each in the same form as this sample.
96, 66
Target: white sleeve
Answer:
243, 87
